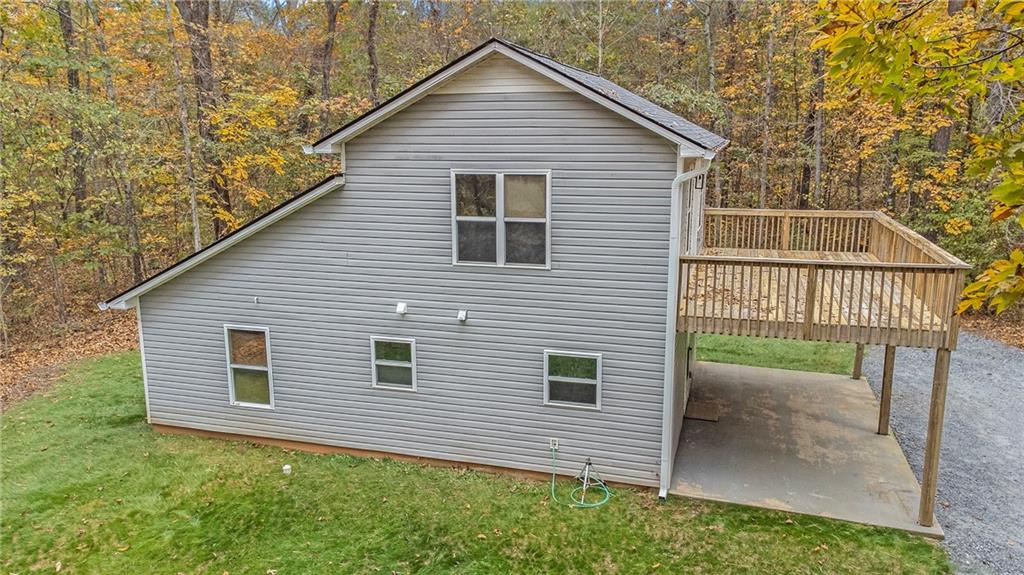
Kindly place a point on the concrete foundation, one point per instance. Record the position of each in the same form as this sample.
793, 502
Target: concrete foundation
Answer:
795, 441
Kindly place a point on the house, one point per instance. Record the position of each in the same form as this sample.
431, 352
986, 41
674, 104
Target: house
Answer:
498, 267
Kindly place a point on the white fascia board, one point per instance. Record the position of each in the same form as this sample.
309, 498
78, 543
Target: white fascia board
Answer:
330, 145
695, 152
130, 298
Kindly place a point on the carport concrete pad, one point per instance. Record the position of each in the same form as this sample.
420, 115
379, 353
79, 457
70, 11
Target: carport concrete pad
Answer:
795, 441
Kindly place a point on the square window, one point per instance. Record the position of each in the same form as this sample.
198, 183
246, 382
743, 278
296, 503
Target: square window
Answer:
501, 219
572, 379
249, 375
525, 243
476, 195
248, 347
478, 242
526, 196
251, 386
393, 363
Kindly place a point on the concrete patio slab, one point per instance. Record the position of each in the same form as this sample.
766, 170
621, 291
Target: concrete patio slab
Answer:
795, 441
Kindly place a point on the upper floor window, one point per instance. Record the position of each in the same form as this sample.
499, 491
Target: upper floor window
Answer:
249, 375
501, 218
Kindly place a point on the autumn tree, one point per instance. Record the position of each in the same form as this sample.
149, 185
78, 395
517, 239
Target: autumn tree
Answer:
927, 55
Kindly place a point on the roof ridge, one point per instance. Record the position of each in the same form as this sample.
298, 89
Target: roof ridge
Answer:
522, 48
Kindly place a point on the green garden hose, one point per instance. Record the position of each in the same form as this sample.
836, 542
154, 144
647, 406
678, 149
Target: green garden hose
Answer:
579, 494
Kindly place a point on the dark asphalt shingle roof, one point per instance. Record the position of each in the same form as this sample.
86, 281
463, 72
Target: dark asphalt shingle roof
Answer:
624, 97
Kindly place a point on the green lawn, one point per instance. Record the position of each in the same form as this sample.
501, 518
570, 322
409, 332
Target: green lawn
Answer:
781, 353
88, 485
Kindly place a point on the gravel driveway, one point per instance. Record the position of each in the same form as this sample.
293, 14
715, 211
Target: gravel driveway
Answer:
981, 470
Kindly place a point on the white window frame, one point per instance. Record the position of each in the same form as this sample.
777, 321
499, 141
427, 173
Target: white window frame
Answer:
374, 362
231, 372
547, 386
499, 218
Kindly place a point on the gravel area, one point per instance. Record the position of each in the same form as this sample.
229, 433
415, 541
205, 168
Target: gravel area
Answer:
981, 470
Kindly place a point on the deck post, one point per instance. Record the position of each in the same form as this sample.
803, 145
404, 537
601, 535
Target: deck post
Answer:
885, 403
936, 413
858, 361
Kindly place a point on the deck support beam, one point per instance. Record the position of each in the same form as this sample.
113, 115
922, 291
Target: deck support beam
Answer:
885, 403
936, 413
858, 361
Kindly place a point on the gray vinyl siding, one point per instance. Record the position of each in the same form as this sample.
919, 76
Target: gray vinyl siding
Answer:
329, 276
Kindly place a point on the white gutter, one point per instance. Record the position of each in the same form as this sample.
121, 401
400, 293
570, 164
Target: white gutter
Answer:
671, 318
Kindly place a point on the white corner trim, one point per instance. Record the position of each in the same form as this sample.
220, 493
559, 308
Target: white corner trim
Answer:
130, 298
142, 354
671, 319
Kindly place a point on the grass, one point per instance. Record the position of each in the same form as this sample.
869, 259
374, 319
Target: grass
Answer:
87, 485
788, 354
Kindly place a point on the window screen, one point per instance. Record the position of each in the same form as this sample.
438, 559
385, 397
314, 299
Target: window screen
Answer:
249, 366
572, 378
501, 219
394, 363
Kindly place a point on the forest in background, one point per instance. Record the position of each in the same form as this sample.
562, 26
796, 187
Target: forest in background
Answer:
132, 133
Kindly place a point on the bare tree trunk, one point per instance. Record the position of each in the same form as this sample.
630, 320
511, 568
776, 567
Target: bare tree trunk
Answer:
762, 196
196, 15
944, 134
371, 50
186, 140
57, 284
600, 36
735, 176
9, 244
858, 180
67, 31
120, 171
709, 46
319, 80
326, 60
818, 70
806, 197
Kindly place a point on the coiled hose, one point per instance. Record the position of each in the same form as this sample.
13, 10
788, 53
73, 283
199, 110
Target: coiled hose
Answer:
578, 495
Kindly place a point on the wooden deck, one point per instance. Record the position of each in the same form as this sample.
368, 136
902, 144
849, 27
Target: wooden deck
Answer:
855, 277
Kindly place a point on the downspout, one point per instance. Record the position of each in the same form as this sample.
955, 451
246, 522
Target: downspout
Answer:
671, 317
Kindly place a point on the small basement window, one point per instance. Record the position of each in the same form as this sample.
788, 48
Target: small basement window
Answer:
249, 374
501, 218
572, 379
393, 363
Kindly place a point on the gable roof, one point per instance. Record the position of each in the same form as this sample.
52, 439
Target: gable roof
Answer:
593, 87
693, 138
638, 104
127, 298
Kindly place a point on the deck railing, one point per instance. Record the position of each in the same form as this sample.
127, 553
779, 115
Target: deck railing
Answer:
831, 276
801, 230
